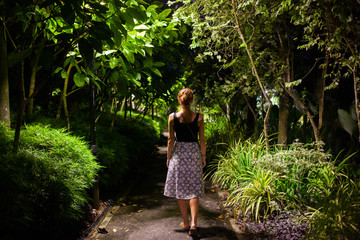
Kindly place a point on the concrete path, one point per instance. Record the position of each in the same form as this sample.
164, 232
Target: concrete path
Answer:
145, 214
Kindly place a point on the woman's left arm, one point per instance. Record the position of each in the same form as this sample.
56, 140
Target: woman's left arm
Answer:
202, 139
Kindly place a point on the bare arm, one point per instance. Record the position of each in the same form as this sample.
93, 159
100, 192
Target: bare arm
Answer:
171, 138
202, 139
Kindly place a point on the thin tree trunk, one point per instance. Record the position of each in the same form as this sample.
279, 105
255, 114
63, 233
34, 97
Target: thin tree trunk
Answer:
321, 91
283, 121
266, 119
33, 76
254, 115
4, 79
356, 96
308, 113
126, 107
64, 95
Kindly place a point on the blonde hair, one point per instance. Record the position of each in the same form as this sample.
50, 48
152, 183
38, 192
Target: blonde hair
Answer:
186, 96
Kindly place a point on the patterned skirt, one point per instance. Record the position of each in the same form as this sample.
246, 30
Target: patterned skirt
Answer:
185, 176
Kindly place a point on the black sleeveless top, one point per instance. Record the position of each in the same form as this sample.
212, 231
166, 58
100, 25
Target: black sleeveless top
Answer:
183, 132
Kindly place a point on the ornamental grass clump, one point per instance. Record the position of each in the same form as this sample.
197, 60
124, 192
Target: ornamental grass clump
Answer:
251, 189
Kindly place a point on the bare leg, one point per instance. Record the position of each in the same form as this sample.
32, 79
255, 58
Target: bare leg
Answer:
183, 204
194, 208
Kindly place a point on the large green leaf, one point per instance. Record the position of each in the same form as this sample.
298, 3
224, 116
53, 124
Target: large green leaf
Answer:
100, 31
117, 34
136, 13
96, 44
164, 14
80, 79
156, 71
347, 122
129, 21
86, 50
68, 14
123, 64
113, 62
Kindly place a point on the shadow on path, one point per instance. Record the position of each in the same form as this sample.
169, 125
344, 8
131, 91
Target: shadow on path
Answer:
145, 213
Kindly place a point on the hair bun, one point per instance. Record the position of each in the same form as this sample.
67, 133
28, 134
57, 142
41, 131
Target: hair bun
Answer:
186, 96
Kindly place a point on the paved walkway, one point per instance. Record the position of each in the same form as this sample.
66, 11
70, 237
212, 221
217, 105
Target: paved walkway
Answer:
145, 214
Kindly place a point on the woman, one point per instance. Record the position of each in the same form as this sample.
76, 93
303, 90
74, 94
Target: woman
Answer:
186, 159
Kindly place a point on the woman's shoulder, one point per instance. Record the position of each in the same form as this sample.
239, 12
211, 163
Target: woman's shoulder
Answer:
173, 115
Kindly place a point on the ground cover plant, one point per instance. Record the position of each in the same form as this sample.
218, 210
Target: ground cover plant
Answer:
297, 193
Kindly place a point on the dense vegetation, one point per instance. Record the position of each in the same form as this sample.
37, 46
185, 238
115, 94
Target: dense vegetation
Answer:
278, 82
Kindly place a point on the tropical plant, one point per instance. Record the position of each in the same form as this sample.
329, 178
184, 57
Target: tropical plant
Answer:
257, 196
336, 216
236, 162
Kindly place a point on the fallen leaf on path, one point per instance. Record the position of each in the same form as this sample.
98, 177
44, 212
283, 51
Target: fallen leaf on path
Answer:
126, 230
102, 231
114, 230
221, 216
212, 190
140, 211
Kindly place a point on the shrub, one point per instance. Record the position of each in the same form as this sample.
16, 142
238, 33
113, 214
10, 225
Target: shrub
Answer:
46, 182
337, 215
295, 168
219, 135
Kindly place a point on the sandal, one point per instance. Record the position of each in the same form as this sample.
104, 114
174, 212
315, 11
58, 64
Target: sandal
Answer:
182, 224
193, 232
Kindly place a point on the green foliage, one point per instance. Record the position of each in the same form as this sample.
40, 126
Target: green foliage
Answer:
257, 195
219, 134
302, 177
337, 215
46, 182
124, 148
251, 189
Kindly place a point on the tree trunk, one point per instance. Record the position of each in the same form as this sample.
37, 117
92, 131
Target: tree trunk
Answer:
4, 79
283, 121
308, 113
125, 107
33, 76
253, 116
357, 103
266, 119
284, 99
321, 91
228, 116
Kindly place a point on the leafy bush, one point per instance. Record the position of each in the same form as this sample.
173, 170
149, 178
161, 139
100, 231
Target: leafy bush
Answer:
271, 187
295, 167
46, 182
122, 149
337, 215
219, 135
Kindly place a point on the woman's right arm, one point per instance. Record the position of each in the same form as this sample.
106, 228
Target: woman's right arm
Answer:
171, 138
